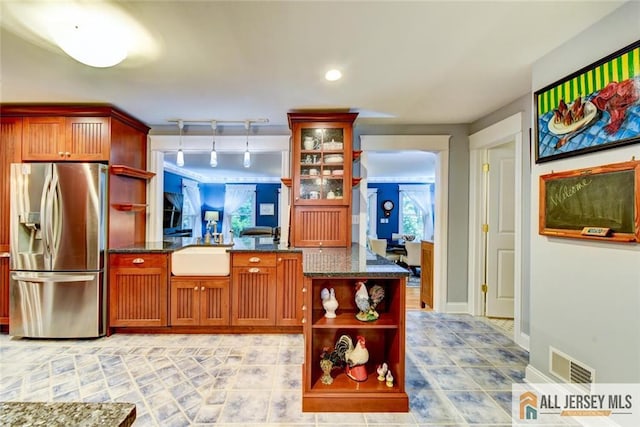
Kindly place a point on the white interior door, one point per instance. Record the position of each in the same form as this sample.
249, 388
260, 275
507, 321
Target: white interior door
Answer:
501, 234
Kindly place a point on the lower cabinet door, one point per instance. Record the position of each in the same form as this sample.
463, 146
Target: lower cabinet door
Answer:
214, 302
289, 303
253, 301
199, 301
138, 291
185, 302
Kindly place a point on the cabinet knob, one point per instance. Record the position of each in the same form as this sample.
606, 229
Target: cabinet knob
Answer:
254, 270
68, 154
254, 259
61, 153
202, 288
304, 289
138, 261
304, 320
195, 288
304, 308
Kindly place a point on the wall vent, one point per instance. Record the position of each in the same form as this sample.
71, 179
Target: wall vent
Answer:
570, 370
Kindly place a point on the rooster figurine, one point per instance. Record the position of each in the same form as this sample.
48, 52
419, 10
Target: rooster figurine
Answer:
367, 301
352, 357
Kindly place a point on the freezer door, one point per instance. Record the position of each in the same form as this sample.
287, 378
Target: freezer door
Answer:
27, 247
56, 305
76, 225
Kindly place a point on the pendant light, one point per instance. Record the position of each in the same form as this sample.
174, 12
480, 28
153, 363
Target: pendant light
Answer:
214, 155
247, 156
180, 157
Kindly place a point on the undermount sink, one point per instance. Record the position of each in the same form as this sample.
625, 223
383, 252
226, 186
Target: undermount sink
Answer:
201, 261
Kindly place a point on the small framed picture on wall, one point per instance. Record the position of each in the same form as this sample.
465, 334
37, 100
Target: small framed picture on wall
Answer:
267, 209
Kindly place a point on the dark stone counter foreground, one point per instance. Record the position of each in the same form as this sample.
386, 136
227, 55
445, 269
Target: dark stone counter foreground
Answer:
67, 414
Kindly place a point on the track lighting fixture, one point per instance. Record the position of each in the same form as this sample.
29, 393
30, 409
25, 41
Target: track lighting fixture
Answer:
214, 156
213, 160
247, 156
180, 157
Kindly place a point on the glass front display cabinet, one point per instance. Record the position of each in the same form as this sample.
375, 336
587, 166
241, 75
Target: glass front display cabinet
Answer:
322, 160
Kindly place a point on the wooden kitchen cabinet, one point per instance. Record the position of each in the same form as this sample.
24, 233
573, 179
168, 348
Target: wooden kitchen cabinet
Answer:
138, 289
10, 147
253, 300
66, 139
426, 274
92, 133
199, 301
385, 342
289, 295
321, 172
266, 289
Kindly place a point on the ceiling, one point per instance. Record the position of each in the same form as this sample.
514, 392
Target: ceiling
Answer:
414, 62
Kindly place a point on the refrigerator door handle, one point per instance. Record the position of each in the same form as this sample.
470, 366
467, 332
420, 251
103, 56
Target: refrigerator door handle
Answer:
55, 223
44, 217
54, 279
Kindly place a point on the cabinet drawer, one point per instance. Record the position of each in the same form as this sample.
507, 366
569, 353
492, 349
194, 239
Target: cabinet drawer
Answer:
141, 260
254, 259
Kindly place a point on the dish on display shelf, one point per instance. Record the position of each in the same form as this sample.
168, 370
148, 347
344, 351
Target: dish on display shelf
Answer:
334, 158
337, 172
332, 145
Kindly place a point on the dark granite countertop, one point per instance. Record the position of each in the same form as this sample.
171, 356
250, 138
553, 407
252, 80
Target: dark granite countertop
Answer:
240, 244
66, 414
355, 261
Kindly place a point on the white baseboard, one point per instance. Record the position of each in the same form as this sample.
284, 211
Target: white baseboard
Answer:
523, 340
534, 376
457, 307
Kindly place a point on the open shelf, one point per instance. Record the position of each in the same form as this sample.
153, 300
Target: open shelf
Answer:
134, 207
342, 383
131, 172
348, 320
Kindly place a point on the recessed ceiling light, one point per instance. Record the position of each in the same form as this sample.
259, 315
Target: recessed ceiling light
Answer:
333, 75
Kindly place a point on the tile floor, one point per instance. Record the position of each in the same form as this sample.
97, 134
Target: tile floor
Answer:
459, 372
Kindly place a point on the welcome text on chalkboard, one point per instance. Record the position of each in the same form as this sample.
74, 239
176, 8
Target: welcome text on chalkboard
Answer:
600, 197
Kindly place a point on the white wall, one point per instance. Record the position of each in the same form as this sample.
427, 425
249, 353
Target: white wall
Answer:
585, 296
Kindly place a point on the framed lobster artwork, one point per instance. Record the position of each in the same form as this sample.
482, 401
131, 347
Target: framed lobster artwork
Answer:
595, 108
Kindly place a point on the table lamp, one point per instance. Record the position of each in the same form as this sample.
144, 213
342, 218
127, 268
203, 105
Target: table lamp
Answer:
212, 218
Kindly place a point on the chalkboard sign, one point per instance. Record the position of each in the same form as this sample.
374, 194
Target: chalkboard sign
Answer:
604, 197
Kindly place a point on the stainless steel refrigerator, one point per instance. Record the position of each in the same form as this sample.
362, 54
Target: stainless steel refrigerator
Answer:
58, 250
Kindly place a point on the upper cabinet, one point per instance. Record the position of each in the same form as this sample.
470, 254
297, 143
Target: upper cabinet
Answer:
88, 133
66, 139
322, 159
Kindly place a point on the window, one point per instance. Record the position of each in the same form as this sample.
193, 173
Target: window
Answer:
411, 217
244, 216
416, 211
239, 208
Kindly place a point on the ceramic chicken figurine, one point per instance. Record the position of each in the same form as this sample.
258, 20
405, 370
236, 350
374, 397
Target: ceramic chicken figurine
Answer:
329, 302
366, 301
356, 359
389, 379
352, 357
382, 371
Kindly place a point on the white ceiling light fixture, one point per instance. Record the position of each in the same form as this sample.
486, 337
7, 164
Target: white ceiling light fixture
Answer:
246, 162
213, 162
180, 157
91, 43
98, 33
333, 75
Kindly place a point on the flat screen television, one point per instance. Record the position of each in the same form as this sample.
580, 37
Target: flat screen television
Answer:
172, 213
